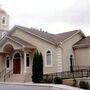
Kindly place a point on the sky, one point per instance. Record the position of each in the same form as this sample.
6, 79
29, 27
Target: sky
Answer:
53, 16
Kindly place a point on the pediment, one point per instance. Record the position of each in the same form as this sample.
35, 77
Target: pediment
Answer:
15, 42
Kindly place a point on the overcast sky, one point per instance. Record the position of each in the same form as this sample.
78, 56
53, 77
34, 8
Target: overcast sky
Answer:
54, 16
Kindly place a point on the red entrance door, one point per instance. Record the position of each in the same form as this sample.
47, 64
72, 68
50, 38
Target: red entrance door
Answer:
16, 66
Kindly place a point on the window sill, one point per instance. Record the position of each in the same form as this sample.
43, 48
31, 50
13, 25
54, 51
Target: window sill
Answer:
8, 68
27, 66
48, 65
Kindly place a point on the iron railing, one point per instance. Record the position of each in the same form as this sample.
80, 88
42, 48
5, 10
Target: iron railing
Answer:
78, 72
8, 74
3, 72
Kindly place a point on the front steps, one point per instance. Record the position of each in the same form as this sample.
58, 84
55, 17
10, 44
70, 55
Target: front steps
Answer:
2, 79
28, 78
17, 78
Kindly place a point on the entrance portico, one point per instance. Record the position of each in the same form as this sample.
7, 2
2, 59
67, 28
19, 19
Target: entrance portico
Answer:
20, 60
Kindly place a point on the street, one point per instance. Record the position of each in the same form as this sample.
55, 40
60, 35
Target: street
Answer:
21, 87
27, 86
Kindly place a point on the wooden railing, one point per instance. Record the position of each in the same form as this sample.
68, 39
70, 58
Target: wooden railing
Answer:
8, 74
77, 73
3, 72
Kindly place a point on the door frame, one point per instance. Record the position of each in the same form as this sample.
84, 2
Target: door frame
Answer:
20, 60
17, 65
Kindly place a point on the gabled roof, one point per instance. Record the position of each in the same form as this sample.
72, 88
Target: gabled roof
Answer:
51, 38
85, 42
16, 40
64, 36
20, 41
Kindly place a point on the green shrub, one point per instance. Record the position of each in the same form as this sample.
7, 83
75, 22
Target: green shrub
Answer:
48, 80
37, 67
83, 84
58, 80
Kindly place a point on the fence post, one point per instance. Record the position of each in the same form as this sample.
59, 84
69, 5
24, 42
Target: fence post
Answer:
87, 73
4, 78
82, 72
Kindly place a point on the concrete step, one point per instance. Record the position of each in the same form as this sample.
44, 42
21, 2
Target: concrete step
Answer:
16, 78
2, 79
28, 78
19, 78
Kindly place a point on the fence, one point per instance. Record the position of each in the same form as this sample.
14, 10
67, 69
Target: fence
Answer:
78, 72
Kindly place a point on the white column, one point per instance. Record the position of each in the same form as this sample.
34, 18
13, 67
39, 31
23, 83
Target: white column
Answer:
24, 61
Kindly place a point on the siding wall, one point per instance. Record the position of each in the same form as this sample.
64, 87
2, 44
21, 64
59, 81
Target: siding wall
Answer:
68, 50
82, 56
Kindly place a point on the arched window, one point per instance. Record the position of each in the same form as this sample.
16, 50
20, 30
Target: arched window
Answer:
17, 56
8, 61
3, 20
71, 63
27, 60
48, 58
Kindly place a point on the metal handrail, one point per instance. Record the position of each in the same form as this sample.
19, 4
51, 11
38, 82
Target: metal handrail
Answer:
8, 74
3, 72
82, 72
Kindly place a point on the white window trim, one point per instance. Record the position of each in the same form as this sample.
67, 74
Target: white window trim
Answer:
51, 58
6, 62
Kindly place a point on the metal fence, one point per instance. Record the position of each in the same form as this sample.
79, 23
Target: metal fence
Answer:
78, 72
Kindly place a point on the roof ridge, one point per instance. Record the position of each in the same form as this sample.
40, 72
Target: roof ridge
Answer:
68, 32
43, 36
35, 29
49, 37
32, 28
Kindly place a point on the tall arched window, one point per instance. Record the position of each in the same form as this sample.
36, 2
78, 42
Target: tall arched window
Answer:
27, 60
71, 63
8, 61
48, 58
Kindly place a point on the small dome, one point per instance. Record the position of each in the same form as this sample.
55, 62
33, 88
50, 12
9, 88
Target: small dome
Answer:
2, 11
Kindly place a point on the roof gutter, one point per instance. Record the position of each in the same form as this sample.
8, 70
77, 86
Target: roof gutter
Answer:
81, 45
